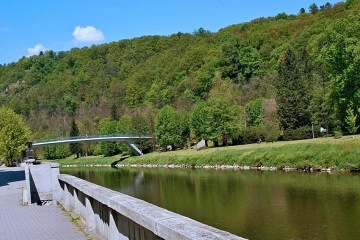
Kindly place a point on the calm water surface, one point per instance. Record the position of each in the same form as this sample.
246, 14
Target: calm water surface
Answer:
251, 204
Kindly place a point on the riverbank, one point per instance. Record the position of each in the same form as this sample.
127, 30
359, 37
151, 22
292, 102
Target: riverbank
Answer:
313, 154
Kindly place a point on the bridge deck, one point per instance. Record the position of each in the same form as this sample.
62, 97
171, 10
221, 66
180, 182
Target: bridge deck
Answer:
92, 138
128, 139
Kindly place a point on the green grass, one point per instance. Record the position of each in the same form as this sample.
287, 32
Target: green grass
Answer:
343, 153
91, 160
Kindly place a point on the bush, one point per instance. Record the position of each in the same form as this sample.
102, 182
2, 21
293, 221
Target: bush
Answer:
299, 133
272, 135
251, 135
56, 152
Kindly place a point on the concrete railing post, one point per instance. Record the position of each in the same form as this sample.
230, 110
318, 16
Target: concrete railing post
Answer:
42, 185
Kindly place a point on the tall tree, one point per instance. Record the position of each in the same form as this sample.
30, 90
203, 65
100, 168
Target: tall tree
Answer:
292, 88
223, 119
270, 119
214, 120
200, 121
313, 8
13, 135
114, 113
322, 110
341, 54
74, 132
168, 127
185, 128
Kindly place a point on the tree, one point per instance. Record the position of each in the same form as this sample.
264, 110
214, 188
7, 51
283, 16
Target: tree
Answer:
56, 151
350, 3
185, 128
322, 110
254, 112
125, 126
168, 127
108, 126
223, 119
350, 121
240, 63
74, 132
224, 88
341, 55
114, 113
313, 8
328, 5
292, 88
214, 120
200, 121
13, 135
271, 120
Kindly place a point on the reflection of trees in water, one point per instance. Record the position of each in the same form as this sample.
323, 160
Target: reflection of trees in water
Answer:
281, 204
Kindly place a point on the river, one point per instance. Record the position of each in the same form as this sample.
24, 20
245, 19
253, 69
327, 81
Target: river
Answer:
248, 203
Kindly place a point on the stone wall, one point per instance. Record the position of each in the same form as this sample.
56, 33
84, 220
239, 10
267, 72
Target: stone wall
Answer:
118, 216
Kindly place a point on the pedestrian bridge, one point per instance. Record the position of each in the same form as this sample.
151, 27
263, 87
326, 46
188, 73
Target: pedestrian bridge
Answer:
126, 138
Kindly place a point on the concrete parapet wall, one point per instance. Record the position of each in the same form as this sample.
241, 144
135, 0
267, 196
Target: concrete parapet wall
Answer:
41, 183
118, 216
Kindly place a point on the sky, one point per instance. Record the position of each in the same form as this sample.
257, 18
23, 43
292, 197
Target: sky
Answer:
28, 27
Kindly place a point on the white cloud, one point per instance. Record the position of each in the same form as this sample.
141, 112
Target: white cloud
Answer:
87, 34
36, 50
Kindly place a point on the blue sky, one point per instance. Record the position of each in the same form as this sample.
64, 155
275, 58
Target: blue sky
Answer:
27, 27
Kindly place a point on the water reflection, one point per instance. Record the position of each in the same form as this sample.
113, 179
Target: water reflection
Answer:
251, 204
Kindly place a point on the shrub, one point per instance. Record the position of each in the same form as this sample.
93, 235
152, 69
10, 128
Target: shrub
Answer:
251, 135
272, 135
299, 133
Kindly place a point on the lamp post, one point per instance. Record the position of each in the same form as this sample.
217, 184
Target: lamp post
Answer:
312, 129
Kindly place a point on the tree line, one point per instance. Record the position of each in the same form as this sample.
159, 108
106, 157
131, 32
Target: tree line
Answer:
269, 79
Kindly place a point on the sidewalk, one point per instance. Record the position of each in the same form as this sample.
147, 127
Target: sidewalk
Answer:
30, 222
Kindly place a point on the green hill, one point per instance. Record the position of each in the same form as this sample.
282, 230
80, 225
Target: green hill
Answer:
279, 74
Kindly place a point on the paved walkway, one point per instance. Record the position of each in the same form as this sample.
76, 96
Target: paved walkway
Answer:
30, 222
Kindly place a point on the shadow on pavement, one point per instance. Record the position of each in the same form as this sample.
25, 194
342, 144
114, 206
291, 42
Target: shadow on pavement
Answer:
11, 176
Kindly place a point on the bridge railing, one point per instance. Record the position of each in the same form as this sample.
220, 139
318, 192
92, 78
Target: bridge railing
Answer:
138, 136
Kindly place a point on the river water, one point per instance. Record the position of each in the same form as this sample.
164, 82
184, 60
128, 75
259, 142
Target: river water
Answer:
248, 203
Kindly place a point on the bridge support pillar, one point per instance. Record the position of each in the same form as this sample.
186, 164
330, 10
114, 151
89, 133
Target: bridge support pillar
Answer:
134, 148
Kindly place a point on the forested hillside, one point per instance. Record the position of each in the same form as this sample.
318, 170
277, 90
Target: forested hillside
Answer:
271, 78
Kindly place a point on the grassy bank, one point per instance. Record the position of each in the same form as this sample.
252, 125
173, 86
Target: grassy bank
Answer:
343, 153
91, 160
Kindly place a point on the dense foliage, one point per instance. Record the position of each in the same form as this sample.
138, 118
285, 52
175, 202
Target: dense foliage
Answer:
55, 151
271, 75
74, 132
13, 135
